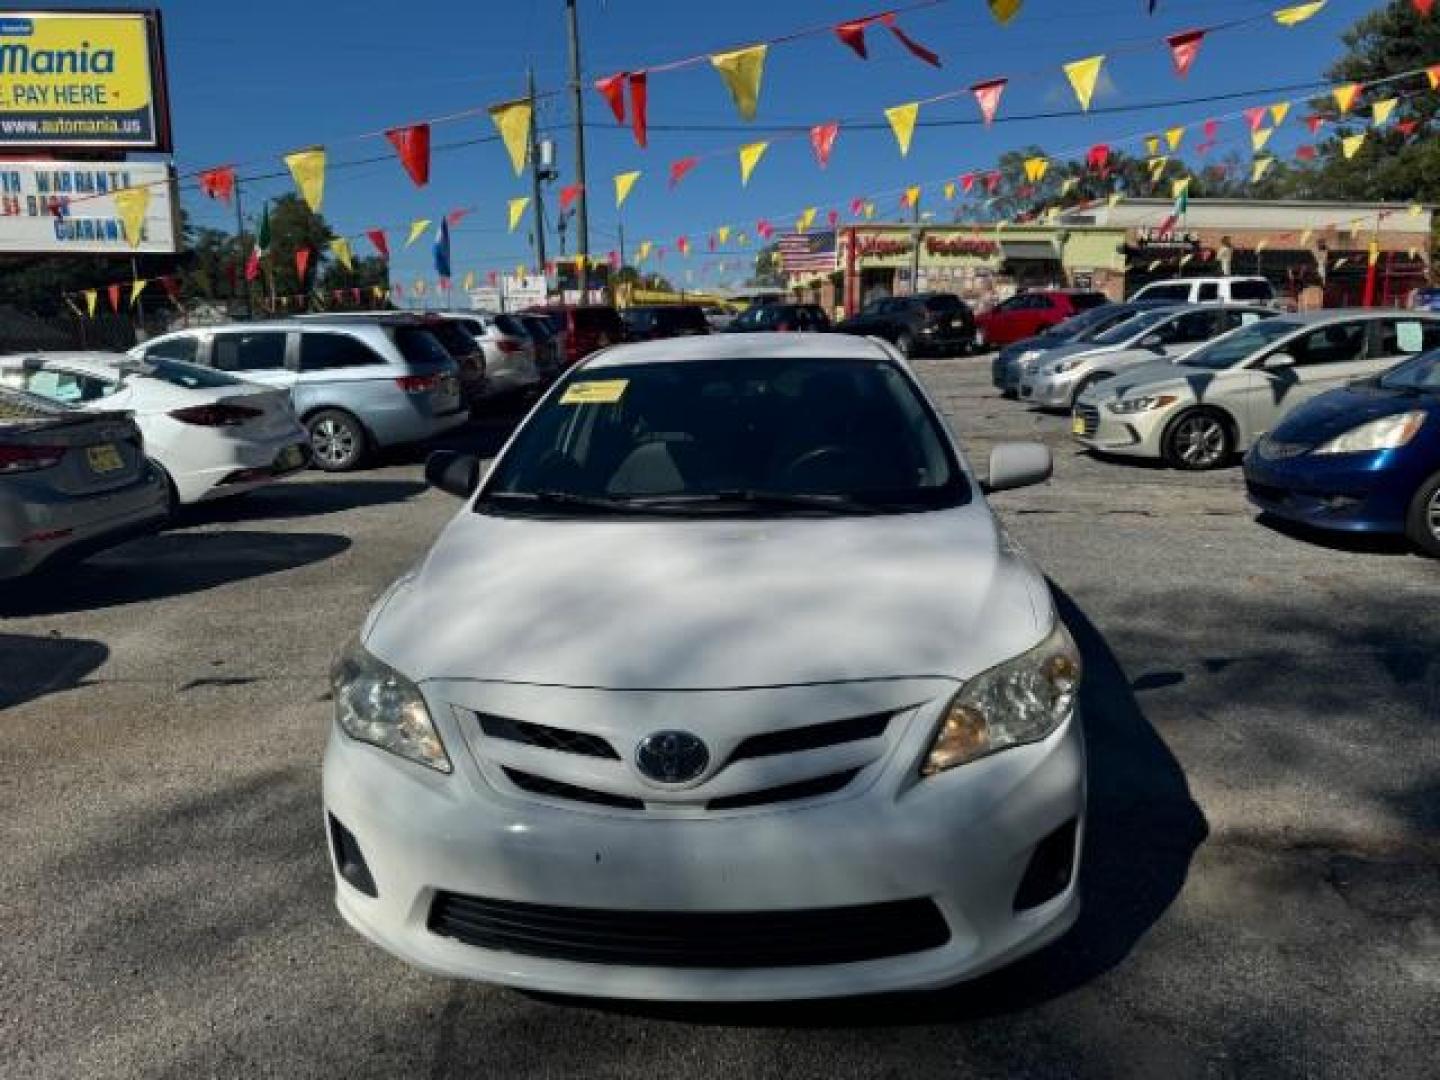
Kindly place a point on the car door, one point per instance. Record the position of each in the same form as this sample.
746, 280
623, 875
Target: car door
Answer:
1395, 339
1187, 331
1324, 358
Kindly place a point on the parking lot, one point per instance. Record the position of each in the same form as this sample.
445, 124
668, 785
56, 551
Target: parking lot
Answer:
1262, 877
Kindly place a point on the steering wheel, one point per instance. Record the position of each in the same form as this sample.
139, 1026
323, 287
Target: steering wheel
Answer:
828, 453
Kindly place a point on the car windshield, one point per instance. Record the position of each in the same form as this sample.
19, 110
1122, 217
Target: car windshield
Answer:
754, 435
1421, 373
419, 346
1127, 329
177, 373
761, 318
1227, 351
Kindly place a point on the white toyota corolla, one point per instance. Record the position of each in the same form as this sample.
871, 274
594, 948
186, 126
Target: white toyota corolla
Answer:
724, 685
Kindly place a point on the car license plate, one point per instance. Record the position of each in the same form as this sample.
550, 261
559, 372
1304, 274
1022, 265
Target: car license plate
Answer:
1077, 424
104, 458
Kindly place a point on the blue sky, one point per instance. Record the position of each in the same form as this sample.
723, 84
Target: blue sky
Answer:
253, 80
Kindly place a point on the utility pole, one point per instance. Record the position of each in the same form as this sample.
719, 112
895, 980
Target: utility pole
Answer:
915, 234
535, 178
582, 207
240, 252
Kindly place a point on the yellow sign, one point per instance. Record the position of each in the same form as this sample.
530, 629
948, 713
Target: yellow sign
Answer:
595, 392
81, 79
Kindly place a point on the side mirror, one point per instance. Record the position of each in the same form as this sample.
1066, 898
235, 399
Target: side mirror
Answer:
1017, 465
1152, 341
1278, 360
453, 472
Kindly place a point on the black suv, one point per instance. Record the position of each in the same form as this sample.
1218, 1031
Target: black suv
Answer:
782, 319
647, 323
927, 322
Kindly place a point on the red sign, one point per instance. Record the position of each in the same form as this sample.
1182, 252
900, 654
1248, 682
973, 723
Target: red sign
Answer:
939, 245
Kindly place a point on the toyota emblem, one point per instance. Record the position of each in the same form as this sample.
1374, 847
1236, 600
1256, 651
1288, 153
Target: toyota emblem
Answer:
671, 757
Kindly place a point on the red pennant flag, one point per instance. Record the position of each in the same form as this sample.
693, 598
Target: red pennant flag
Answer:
550, 267
457, 216
114, 291
612, 89
992, 182
916, 49
1098, 157
822, 141
682, 245
853, 34
377, 237
1183, 48
1423, 6
967, 182
639, 106
218, 183
302, 263
412, 146
568, 195
1211, 127
710, 242
987, 95
1256, 117
678, 169
492, 278
833, 217
1305, 153
1406, 127
1314, 123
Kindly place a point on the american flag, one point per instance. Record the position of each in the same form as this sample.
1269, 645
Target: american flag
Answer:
808, 252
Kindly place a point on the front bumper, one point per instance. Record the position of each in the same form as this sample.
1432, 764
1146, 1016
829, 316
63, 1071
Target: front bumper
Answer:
1048, 391
962, 840
1341, 492
1005, 373
1129, 435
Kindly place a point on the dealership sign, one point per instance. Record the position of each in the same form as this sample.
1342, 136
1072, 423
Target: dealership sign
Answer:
92, 79
53, 207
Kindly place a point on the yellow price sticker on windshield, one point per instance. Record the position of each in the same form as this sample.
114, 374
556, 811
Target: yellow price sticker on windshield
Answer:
597, 392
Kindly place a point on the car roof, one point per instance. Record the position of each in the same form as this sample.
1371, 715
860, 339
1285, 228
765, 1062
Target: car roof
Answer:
1328, 315
1205, 278
740, 347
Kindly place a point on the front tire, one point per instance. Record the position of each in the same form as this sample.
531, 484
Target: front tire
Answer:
1422, 523
1197, 440
337, 441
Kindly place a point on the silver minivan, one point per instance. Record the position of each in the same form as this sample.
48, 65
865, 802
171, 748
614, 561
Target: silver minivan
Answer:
357, 386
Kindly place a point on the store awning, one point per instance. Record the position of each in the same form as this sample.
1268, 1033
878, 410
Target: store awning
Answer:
1029, 249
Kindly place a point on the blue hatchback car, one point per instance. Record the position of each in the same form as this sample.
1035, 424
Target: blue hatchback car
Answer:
1362, 459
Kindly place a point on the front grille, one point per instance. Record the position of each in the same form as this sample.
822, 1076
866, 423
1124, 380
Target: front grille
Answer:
813, 736
692, 939
1090, 416
1275, 450
1267, 494
540, 785
546, 738
803, 789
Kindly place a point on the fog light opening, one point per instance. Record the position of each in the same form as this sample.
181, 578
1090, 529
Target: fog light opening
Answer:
1052, 864
349, 861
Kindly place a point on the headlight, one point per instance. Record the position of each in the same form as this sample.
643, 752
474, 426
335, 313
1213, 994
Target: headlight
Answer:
374, 703
1387, 433
1149, 402
1029, 356
1020, 701
1063, 366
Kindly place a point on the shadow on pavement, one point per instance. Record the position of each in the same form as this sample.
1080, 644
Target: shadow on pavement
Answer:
301, 498
31, 667
482, 436
1142, 831
170, 564
1355, 543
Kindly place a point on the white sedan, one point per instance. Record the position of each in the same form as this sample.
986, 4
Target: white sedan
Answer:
725, 684
212, 434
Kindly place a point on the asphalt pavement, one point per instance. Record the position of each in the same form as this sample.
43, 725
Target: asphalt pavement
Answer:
1262, 880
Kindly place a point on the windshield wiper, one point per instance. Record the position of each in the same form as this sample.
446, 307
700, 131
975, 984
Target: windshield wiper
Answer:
782, 500
563, 499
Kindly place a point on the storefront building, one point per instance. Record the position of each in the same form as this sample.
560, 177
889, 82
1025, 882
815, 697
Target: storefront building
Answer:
1317, 254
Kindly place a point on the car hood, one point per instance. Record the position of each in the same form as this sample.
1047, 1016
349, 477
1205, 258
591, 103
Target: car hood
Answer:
1159, 375
1338, 411
712, 603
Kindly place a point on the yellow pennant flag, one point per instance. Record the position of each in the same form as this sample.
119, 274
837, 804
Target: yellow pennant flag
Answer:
1381, 110
512, 120
517, 210
469, 282
1174, 136
950, 191
912, 195
1305, 236
1069, 185
341, 249
1350, 145
1179, 187
723, 234
308, 169
806, 219
1259, 137
644, 252
1186, 258
1416, 209
1278, 112
1260, 168
1152, 145
1298, 13
1345, 96
1374, 252
1157, 169
1004, 10
91, 296
623, 183
869, 210
902, 121
1035, 169
131, 204
417, 230
1082, 75
1114, 200
742, 71
136, 288
750, 155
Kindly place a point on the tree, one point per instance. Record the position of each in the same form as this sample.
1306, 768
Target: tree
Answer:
768, 272
294, 225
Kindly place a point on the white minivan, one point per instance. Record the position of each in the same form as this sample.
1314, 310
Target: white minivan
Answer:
1210, 290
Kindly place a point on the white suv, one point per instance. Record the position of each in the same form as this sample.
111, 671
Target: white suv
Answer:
1210, 290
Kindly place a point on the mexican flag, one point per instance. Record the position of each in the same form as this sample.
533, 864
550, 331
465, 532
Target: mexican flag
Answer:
1177, 212
262, 244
